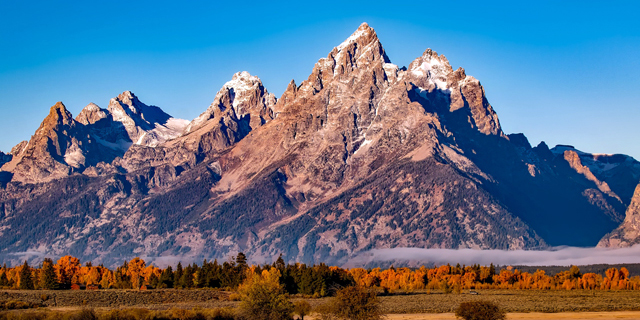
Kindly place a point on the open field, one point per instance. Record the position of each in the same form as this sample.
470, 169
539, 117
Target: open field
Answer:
517, 301
521, 304
529, 316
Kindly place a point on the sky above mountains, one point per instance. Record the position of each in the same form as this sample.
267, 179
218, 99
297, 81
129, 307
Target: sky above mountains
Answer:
562, 73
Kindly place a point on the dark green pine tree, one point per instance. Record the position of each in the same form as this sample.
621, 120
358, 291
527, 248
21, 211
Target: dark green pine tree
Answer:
204, 275
241, 261
3, 280
48, 278
177, 276
26, 281
279, 264
166, 278
187, 276
153, 280
214, 275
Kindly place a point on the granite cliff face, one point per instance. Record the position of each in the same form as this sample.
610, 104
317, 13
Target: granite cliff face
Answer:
58, 148
361, 155
628, 233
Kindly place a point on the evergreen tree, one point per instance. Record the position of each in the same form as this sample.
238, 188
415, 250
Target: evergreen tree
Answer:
186, 280
153, 280
279, 263
241, 261
3, 280
48, 279
203, 275
26, 281
215, 273
166, 278
177, 276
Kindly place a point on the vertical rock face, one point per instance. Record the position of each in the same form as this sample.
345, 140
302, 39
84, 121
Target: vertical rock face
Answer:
240, 106
58, 148
92, 114
145, 125
435, 79
4, 158
243, 99
628, 233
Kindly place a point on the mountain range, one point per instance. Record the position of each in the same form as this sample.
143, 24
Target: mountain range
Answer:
361, 155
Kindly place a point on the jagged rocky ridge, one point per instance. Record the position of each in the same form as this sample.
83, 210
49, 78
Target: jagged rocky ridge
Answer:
363, 154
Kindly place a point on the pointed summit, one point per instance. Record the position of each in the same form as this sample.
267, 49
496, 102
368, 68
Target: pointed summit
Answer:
361, 49
91, 114
58, 148
363, 35
245, 96
145, 125
361, 53
58, 115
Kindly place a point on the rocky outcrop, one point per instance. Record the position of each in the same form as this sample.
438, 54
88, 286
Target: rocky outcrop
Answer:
58, 148
241, 105
141, 124
4, 158
628, 233
435, 80
243, 99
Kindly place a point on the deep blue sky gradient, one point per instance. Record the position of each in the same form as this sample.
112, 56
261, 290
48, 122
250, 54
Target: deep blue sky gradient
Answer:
562, 71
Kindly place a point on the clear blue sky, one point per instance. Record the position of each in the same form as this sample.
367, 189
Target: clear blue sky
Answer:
558, 71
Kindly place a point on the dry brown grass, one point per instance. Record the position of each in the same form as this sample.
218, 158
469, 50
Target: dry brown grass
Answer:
520, 304
527, 316
516, 301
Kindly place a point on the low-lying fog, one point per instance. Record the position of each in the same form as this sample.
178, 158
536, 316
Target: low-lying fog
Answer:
560, 256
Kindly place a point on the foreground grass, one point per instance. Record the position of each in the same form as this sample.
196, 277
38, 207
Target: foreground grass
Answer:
420, 302
516, 301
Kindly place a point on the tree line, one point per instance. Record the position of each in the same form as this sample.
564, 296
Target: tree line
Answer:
315, 280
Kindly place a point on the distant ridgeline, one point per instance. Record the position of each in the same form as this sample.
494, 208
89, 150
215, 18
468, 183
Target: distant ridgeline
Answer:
317, 280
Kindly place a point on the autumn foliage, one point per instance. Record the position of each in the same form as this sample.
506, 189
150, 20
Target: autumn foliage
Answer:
317, 280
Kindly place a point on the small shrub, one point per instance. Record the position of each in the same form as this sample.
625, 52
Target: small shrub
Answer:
357, 303
264, 298
85, 314
446, 287
326, 311
301, 308
118, 315
221, 314
480, 310
16, 304
182, 314
24, 316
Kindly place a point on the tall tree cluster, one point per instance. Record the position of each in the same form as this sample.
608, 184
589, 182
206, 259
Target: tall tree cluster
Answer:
298, 278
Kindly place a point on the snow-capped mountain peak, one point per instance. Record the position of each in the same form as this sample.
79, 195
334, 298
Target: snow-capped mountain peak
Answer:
245, 95
144, 124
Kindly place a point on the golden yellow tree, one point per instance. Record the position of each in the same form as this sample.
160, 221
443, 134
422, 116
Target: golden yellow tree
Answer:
67, 269
135, 271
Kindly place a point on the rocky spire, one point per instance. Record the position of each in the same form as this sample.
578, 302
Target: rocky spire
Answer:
56, 149
628, 233
58, 116
91, 114
434, 78
245, 95
361, 51
145, 125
